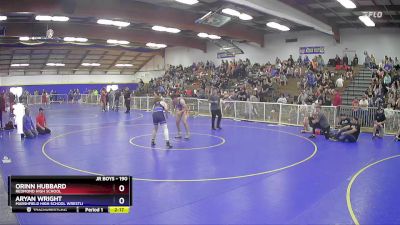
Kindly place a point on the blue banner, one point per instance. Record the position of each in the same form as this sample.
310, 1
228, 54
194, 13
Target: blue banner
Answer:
312, 50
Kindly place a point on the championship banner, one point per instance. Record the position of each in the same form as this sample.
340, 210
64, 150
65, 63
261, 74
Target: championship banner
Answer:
222, 55
312, 50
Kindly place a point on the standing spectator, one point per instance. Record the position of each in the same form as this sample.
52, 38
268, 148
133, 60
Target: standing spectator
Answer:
290, 61
127, 99
215, 109
116, 99
345, 60
355, 60
28, 126
44, 98
1, 111
379, 123
337, 99
103, 98
339, 82
41, 124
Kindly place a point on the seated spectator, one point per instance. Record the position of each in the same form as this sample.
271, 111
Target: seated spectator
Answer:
387, 80
348, 133
283, 79
379, 123
41, 124
363, 103
301, 99
28, 126
397, 137
339, 82
282, 99
343, 121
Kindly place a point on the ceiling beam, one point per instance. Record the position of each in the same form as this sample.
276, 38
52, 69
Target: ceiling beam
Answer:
100, 32
139, 12
134, 11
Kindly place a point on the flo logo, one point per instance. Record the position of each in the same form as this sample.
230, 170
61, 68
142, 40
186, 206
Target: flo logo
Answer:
374, 14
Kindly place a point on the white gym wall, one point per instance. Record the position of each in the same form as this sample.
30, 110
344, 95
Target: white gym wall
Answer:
380, 42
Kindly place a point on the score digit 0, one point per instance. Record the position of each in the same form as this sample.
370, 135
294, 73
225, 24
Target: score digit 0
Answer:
121, 188
121, 201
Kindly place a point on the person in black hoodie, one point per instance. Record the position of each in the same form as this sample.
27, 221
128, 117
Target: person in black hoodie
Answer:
127, 99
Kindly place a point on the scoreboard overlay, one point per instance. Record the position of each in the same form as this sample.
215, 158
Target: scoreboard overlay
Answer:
74, 194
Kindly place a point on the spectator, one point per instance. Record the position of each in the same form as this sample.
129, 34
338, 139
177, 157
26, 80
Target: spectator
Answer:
127, 99
387, 80
379, 123
215, 108
282, 99
337, 99
301, 99
363, 103
348, 133
355, 60
41, 124
117, 96
1, 111
339, 82
28, 126
345, 60
319, 120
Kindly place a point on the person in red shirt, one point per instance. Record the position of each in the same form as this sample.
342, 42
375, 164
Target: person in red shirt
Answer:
337, 99
41, 125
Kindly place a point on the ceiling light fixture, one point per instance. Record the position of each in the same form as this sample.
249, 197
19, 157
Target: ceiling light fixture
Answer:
112, 41
155, 45
214, 37
348, 4
74, 39
211, 36
52, 18
278, 26
20, 65
24, 38
188, 2
231, 12
55, 64
166, 29
367, 21
202, 35
244, 16
3, 18
90, 64
123, 65
113, 22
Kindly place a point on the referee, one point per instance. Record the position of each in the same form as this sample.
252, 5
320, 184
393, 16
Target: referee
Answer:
215, 108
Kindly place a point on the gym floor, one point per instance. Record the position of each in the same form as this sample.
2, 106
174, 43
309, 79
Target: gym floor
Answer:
246, 173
